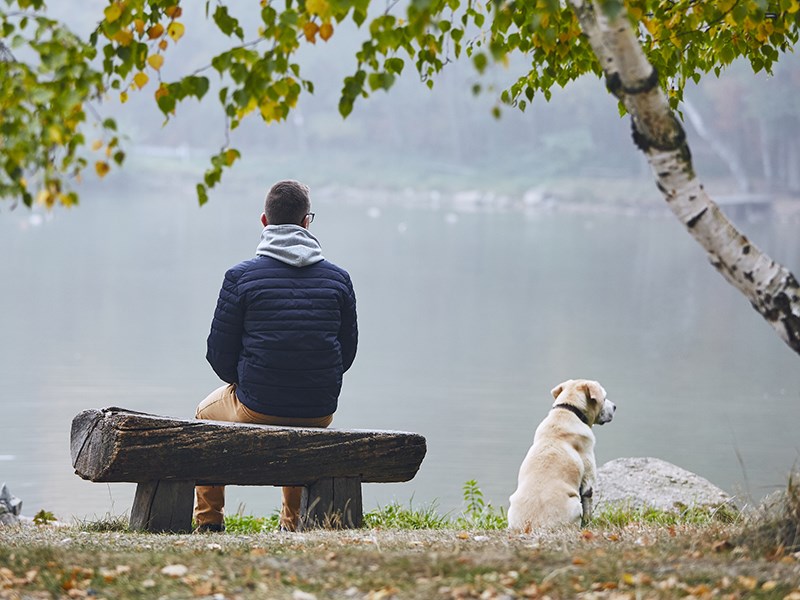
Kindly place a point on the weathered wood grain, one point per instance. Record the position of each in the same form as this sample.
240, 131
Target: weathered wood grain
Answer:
114, 444
163, 506
332, 504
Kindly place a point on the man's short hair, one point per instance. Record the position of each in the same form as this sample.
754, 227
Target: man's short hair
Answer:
287, 203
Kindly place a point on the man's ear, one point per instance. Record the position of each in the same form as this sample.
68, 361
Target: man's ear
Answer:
264, 219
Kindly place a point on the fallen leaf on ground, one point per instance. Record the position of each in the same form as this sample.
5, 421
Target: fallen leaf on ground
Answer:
748, 583
175, 570
768, 586
381, 594
722, 546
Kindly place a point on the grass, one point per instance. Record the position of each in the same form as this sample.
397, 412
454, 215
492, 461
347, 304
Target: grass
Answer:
775, 528
416, 552
621, 516
477, 514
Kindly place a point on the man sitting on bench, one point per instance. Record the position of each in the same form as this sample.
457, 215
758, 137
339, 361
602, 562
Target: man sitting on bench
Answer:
284, 332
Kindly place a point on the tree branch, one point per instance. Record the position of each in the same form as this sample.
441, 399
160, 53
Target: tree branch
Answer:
6, 54
771, 288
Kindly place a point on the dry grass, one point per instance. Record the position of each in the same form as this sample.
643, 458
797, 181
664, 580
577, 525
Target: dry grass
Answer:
638, 560
774, 528
637, 555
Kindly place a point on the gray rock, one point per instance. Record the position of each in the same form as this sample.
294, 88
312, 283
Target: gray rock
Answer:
10, 507
636, 483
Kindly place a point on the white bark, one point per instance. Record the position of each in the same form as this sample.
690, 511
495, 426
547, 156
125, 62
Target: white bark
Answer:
772, 290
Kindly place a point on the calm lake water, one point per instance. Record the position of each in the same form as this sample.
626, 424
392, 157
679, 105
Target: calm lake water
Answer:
467, 320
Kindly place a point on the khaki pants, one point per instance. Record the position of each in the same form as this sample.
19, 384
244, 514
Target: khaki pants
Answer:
223, 405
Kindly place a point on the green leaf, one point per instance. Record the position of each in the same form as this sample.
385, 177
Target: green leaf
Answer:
202, 194
480, 61
395, 65
345, 106
226, 23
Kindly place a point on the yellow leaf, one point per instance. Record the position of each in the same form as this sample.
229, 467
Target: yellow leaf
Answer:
97, 144
628, 579
749, 583
55, 135
268, 111
113, 12
67, 199
310, 31
768, 586
326, 31
163, 44
230, 156
156, 31
317, 7
140, 80
123, 97
155, 61
102, 168
46, 197
161, 91
138, 24
795, 6
173, 12
175, 30
123, 37
246, 110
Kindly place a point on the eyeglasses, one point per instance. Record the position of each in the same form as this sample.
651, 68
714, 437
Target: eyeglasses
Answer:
310, 217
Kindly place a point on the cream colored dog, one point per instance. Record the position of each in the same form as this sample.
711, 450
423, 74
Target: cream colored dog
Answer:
557, 477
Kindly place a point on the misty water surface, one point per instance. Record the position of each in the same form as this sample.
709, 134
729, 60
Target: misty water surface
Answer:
467, 320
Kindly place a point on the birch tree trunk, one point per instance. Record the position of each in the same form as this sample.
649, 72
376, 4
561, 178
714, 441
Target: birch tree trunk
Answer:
771, 288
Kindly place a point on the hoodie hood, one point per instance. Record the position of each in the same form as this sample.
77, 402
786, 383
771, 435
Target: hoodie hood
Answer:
290, 244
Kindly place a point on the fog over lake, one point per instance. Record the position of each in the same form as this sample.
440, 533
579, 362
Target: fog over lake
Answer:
468, 318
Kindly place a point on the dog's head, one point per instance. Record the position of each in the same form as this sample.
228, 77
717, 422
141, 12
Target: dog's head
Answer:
587, 396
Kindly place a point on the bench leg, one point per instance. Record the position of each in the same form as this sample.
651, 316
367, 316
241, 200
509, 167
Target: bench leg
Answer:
163, 507
332, 503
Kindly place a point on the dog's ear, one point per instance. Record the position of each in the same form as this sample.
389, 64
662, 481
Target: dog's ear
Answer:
594, 391
556, 391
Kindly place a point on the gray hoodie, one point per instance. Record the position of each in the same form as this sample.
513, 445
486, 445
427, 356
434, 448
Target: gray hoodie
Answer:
290, 244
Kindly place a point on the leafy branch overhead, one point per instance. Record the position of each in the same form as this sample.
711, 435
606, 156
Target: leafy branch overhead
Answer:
52, 81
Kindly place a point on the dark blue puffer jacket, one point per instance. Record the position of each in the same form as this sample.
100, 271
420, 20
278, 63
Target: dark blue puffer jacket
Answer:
285, 329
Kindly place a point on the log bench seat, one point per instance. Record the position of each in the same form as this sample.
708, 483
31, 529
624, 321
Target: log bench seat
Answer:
166, 457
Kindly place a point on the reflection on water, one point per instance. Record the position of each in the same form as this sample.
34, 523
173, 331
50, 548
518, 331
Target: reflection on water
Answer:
467, 321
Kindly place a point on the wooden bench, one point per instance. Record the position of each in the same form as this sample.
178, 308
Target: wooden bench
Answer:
167, 457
